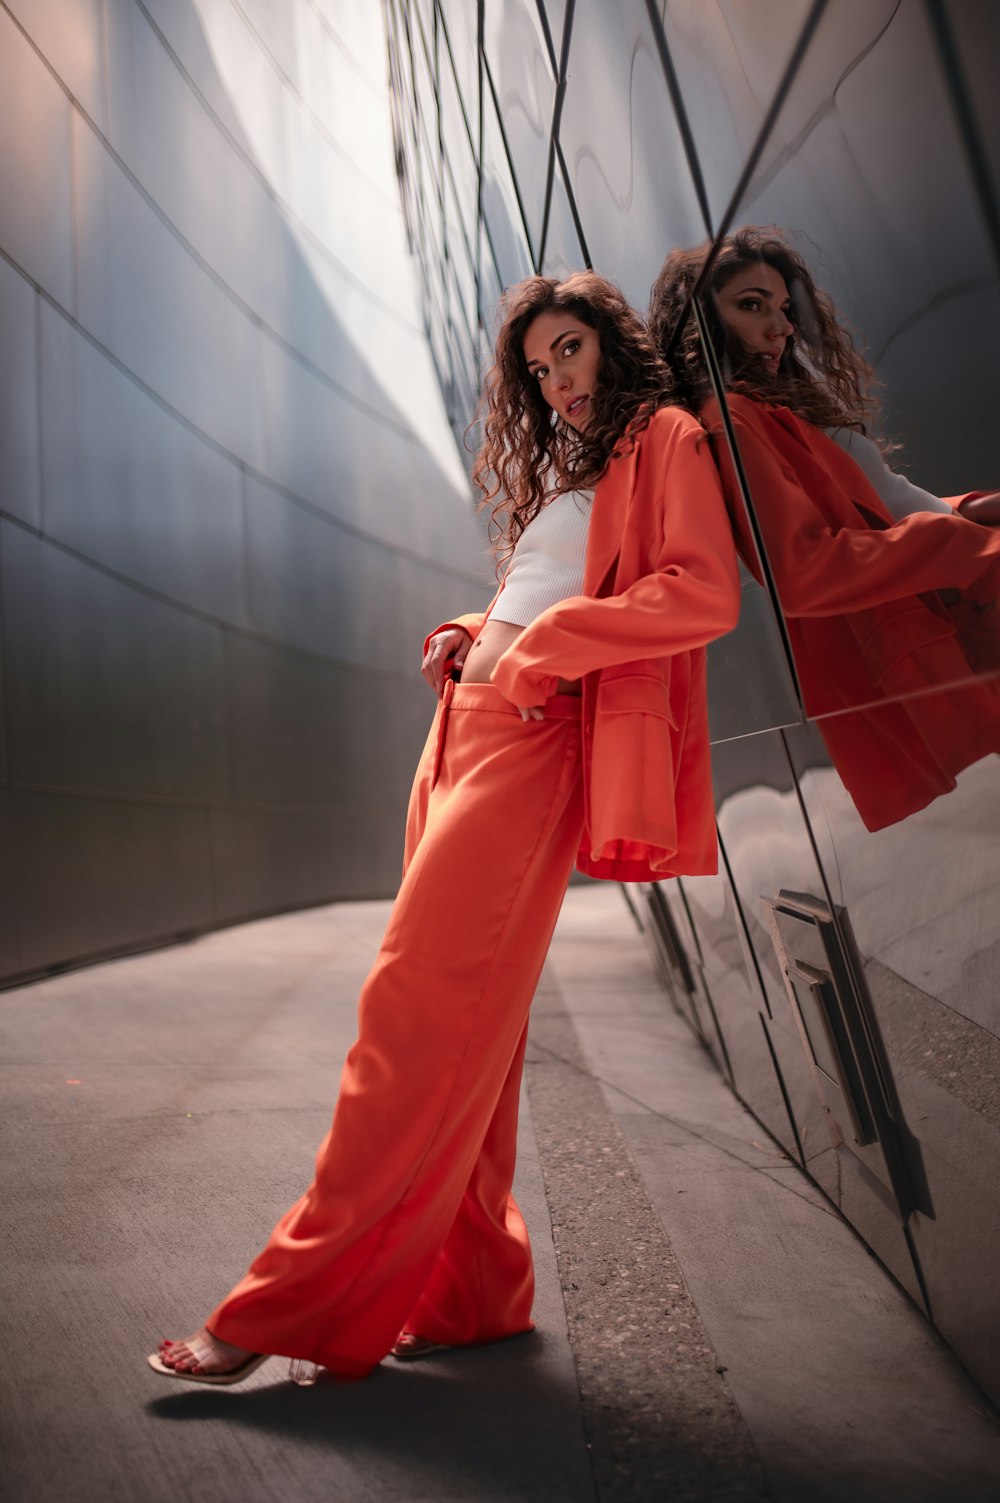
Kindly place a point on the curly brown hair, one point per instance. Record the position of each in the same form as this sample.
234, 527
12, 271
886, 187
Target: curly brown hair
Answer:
822, 378
528, 454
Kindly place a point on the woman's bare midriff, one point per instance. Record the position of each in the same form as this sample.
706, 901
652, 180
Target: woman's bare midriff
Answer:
490, 645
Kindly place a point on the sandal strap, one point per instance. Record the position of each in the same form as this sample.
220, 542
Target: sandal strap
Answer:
205, 1356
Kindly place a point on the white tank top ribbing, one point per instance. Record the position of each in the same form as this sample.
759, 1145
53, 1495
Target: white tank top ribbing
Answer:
902, 498
548, 560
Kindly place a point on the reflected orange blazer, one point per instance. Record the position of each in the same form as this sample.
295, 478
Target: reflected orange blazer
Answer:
869, 632
832, 544
660, 582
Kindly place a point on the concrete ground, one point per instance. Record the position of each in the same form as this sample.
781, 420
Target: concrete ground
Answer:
708, 1328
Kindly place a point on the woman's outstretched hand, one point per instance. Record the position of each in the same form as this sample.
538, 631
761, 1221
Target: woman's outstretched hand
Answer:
453, 643
982, 509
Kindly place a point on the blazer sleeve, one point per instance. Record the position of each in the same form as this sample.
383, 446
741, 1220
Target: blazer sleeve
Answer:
691, 596
820, 570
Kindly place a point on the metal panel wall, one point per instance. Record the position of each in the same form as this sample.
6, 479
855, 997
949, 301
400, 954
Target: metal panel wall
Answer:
230, 503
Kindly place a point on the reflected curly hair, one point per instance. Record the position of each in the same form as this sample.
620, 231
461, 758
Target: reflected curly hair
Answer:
528, 454
822, 378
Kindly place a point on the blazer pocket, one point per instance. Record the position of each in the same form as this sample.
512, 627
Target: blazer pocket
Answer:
898, 632
635, 694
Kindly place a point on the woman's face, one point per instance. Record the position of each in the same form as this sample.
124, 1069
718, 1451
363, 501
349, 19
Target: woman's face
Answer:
754, 305
563, 355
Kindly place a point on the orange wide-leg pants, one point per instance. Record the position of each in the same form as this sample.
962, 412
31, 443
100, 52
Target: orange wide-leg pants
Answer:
410, 1223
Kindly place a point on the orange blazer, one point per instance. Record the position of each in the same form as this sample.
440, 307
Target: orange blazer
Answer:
869, 631
660, 582
832, 544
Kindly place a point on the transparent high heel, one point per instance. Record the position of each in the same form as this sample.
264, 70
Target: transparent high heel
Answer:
303, 1372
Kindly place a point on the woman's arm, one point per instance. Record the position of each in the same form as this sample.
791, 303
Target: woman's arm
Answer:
823, 571
691, 597
902, 498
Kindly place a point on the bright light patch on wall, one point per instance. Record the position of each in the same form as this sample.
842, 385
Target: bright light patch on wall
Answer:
309, 92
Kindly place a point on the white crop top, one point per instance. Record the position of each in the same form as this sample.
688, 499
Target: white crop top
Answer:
902, 498
548, 559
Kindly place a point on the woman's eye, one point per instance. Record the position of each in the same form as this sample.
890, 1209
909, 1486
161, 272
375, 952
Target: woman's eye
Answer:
750, 305
570, 347
541, 371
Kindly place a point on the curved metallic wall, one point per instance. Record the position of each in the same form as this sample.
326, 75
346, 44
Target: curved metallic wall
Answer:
845, 975
231, 502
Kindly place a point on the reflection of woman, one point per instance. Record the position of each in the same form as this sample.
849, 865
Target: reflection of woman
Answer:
887, 591
578, 729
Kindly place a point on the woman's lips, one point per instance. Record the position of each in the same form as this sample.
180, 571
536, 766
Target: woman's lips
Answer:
576, 406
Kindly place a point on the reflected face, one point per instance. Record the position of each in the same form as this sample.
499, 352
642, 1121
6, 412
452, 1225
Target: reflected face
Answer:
754, 304
563, 355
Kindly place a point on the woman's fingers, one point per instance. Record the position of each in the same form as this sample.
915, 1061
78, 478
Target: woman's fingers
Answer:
443, 645
427, 667
432, 666
532, 712
984, 509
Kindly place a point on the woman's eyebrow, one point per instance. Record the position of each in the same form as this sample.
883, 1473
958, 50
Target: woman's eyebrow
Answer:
558, 340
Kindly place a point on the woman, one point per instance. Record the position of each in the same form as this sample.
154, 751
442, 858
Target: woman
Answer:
887, 591
578, 729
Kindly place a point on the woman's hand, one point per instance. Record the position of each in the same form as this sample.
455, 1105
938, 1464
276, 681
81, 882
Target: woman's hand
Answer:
453, 643
982, 509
